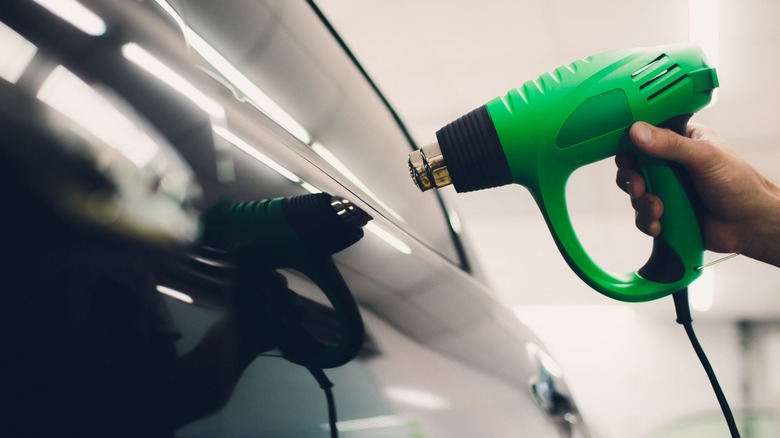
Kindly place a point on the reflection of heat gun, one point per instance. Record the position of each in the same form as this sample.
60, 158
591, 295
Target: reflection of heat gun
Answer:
299, 233
537, 135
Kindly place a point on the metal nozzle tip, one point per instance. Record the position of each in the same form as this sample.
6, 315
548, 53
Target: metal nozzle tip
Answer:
417, 171
350, 213
428, 169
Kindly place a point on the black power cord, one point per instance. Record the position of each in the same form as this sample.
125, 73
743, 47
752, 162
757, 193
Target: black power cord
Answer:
684, 318
326, 386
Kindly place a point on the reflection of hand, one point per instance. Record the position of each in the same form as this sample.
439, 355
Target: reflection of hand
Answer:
257, 305
203, 380
742, 207
275, 316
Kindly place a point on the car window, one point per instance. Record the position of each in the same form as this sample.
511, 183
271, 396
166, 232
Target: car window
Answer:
279, 58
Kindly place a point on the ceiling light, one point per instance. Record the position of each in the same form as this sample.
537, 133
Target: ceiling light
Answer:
83, 104
309, 188
417, 398
76, 14
15, 54
245, 86
138, 55
173, 293
388, 238
254, 153
378, 422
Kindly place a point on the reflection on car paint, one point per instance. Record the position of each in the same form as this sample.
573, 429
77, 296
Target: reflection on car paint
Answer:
15, 54
255, 153
137, 54
76, 14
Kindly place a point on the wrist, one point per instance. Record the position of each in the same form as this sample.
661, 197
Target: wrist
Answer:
766, 229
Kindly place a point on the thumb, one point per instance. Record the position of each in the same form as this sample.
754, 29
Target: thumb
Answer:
666, 144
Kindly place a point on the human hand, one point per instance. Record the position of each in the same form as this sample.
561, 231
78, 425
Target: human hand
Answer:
742, 207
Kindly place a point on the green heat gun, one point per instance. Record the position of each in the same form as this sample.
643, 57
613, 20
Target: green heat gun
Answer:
537, 135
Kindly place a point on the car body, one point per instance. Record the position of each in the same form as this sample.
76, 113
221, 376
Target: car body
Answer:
252, 100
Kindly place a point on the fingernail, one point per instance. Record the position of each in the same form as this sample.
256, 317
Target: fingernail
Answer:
627, 186
643, 133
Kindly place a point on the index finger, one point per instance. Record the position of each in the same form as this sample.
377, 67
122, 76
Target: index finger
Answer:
625, 161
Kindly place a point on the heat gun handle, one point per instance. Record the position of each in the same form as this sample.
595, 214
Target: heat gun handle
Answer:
676, 254
680, 243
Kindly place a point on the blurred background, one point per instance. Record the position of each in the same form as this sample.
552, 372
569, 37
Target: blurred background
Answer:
629, 366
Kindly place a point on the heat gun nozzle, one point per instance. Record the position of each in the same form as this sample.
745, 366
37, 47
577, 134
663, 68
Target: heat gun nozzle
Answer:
428, 169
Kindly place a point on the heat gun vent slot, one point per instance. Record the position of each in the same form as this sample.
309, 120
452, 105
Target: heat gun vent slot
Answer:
660, 76
662, 81
666, 87
649, 65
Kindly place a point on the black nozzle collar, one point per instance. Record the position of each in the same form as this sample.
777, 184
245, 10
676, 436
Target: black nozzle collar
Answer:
326, 223
473, 151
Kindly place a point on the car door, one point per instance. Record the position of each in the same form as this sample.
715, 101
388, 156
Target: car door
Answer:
273, 105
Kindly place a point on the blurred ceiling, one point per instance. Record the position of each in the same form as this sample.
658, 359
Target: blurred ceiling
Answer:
437, 59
